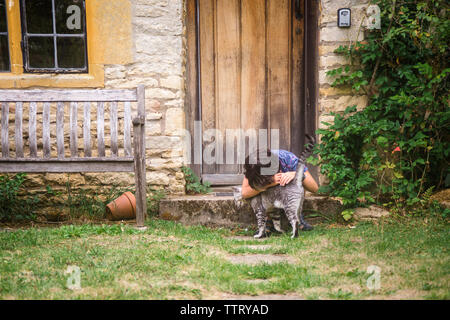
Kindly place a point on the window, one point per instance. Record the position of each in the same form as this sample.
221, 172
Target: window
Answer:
4, 43
54, 36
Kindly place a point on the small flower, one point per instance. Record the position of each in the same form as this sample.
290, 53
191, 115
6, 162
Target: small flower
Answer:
396, 150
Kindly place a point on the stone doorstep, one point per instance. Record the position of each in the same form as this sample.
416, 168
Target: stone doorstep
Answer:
221, 210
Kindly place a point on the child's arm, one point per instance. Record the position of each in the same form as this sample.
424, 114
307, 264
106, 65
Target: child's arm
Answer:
248, 192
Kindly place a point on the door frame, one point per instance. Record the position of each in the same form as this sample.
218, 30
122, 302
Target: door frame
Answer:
309, 88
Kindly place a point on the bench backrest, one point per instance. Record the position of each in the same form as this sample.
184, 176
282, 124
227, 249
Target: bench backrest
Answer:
73, 101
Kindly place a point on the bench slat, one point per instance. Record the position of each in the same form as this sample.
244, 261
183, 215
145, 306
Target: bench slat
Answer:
57, 165
87, 129
5, 129
127, 129
101, 129
46, 129
60, 129
73, 129
19, 130
32, 130
67, 95
113, 126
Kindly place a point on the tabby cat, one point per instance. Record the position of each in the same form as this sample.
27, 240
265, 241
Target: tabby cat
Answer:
290, 198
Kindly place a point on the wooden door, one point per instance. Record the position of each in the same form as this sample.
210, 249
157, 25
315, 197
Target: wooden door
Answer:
250, 76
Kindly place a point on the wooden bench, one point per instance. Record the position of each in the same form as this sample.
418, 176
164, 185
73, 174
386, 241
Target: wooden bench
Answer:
132, 159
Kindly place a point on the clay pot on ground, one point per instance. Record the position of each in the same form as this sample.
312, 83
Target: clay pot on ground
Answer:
122, 208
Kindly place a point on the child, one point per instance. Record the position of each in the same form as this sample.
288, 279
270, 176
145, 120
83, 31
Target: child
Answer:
255, 182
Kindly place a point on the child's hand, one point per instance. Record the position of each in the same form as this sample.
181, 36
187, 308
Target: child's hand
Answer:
287, 177
277, 178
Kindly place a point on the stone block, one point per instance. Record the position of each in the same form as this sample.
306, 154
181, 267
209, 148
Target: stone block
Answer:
157, 178
222, 211
370, 213
172, 82
341, 103
174, 122
335, 34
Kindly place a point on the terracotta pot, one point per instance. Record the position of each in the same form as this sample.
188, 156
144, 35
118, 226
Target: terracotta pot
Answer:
124, 207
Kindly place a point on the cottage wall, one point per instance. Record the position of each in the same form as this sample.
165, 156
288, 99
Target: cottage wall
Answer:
333, 99
135, 42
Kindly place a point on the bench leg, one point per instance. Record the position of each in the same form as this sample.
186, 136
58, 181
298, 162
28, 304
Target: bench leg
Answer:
139, 159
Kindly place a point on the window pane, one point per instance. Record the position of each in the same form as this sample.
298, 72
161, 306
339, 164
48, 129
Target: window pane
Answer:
69, 16
39, 16
4, 53
3, 26
71, 52
41, 52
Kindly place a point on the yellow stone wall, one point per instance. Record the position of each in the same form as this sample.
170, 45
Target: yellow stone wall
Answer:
130, 42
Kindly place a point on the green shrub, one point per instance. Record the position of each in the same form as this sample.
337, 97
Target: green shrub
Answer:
398, 146
193, 184
154, 196
12, 206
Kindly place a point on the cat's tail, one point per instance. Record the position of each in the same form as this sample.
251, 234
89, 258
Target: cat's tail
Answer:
311, 140
302, 159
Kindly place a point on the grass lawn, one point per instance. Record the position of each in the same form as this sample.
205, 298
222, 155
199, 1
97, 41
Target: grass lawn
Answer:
172, 261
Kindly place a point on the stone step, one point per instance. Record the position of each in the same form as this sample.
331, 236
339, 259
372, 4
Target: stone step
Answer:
221, 210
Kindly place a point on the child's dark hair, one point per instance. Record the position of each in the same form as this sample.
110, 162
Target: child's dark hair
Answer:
253, 164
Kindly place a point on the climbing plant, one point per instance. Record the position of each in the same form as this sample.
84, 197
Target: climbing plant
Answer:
398, 147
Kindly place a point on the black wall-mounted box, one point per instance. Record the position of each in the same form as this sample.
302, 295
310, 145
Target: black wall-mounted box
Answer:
344, 18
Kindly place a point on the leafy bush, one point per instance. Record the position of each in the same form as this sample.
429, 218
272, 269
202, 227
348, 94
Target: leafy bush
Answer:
154, 196
193, 184
398, 146
13, 207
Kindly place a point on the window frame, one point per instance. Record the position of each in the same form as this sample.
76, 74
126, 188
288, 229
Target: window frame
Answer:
7, 39
25, 49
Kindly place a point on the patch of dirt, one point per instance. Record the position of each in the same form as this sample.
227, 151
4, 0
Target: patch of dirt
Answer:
253, 259
259, 247
263, 297
406, 294
243, 238
257, 281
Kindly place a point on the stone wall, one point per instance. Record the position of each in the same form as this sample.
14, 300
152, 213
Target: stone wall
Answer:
142, 42
159, 63
332, 99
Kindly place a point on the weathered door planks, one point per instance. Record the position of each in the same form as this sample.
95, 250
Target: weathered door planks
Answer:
250, 73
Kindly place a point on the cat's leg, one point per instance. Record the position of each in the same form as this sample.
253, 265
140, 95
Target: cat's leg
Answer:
291, 214
274, 220
261, 218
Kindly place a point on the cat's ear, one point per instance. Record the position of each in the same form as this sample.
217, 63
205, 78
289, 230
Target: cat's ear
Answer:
237, 189
237, 194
